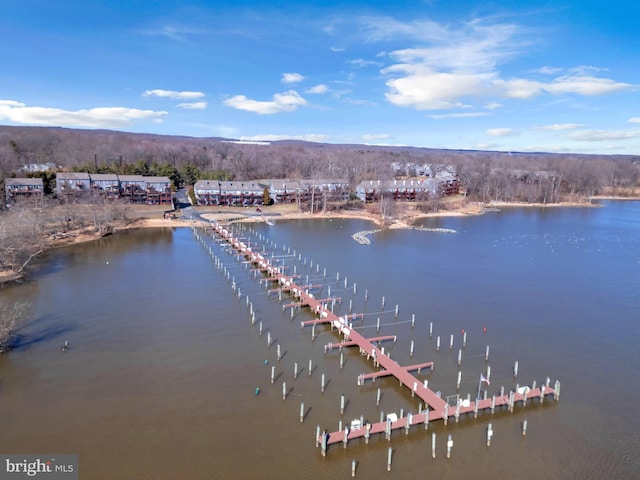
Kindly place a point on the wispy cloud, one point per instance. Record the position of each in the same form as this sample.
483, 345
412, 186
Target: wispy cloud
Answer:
193, 105
501, 132
547, 70
337, 49
101, 117
603, 135
291, 78
372, 137
557, 127
175, 95
442, 116
172, 32
318, 89
361, 63
634, 120
282, 102
308, 137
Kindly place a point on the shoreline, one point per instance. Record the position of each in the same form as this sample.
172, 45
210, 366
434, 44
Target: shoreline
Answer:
406, 221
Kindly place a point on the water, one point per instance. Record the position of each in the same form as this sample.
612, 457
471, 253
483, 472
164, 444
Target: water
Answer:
164, 363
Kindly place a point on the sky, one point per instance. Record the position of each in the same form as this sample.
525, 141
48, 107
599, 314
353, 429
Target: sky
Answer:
544, 76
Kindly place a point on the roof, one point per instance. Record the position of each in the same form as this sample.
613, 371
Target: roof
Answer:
206, 184
427, 184
73, 176
325, 181
157, 179
104, 177
285, 185
131, 178
24, 181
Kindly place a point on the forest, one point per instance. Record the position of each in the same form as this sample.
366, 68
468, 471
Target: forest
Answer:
484, 176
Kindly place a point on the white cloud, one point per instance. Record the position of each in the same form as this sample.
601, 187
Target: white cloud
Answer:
337, 49
318, 89
375, 137
457, 67
291, 78
282, 102
603, 135
493, 106
501, 132
518, 88
173, 94
309, 137
458, 115
101, 117
11, 103
634, 120
556, 127
193, 105
426, 89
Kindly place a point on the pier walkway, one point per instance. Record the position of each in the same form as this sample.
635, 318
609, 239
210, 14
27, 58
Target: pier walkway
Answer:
437, 408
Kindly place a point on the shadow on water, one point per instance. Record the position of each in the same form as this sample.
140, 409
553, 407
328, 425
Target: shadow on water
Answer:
36, 334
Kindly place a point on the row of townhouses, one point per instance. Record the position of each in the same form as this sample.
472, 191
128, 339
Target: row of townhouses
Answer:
129, 188
308, 193
317, 192
252, 192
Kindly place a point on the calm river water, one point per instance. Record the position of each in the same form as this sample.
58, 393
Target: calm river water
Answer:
161, 375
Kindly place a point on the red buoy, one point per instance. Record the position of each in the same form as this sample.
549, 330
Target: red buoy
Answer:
484, 329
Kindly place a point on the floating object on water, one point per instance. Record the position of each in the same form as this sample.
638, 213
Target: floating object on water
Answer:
65, 347
266, 362
484, 329
257, 390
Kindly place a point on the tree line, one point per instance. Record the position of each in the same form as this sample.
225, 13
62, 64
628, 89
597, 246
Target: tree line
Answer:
484, 176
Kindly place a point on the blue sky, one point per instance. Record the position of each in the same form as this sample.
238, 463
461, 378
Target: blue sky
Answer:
556, 76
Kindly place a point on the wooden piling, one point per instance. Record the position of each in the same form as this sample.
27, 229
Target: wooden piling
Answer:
433, 445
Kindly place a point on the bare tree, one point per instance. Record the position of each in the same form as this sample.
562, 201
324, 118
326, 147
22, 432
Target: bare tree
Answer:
12, 317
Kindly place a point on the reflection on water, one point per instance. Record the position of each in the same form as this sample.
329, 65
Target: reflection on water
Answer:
163, 366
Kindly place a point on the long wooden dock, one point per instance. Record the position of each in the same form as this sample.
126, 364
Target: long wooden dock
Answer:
436, 407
